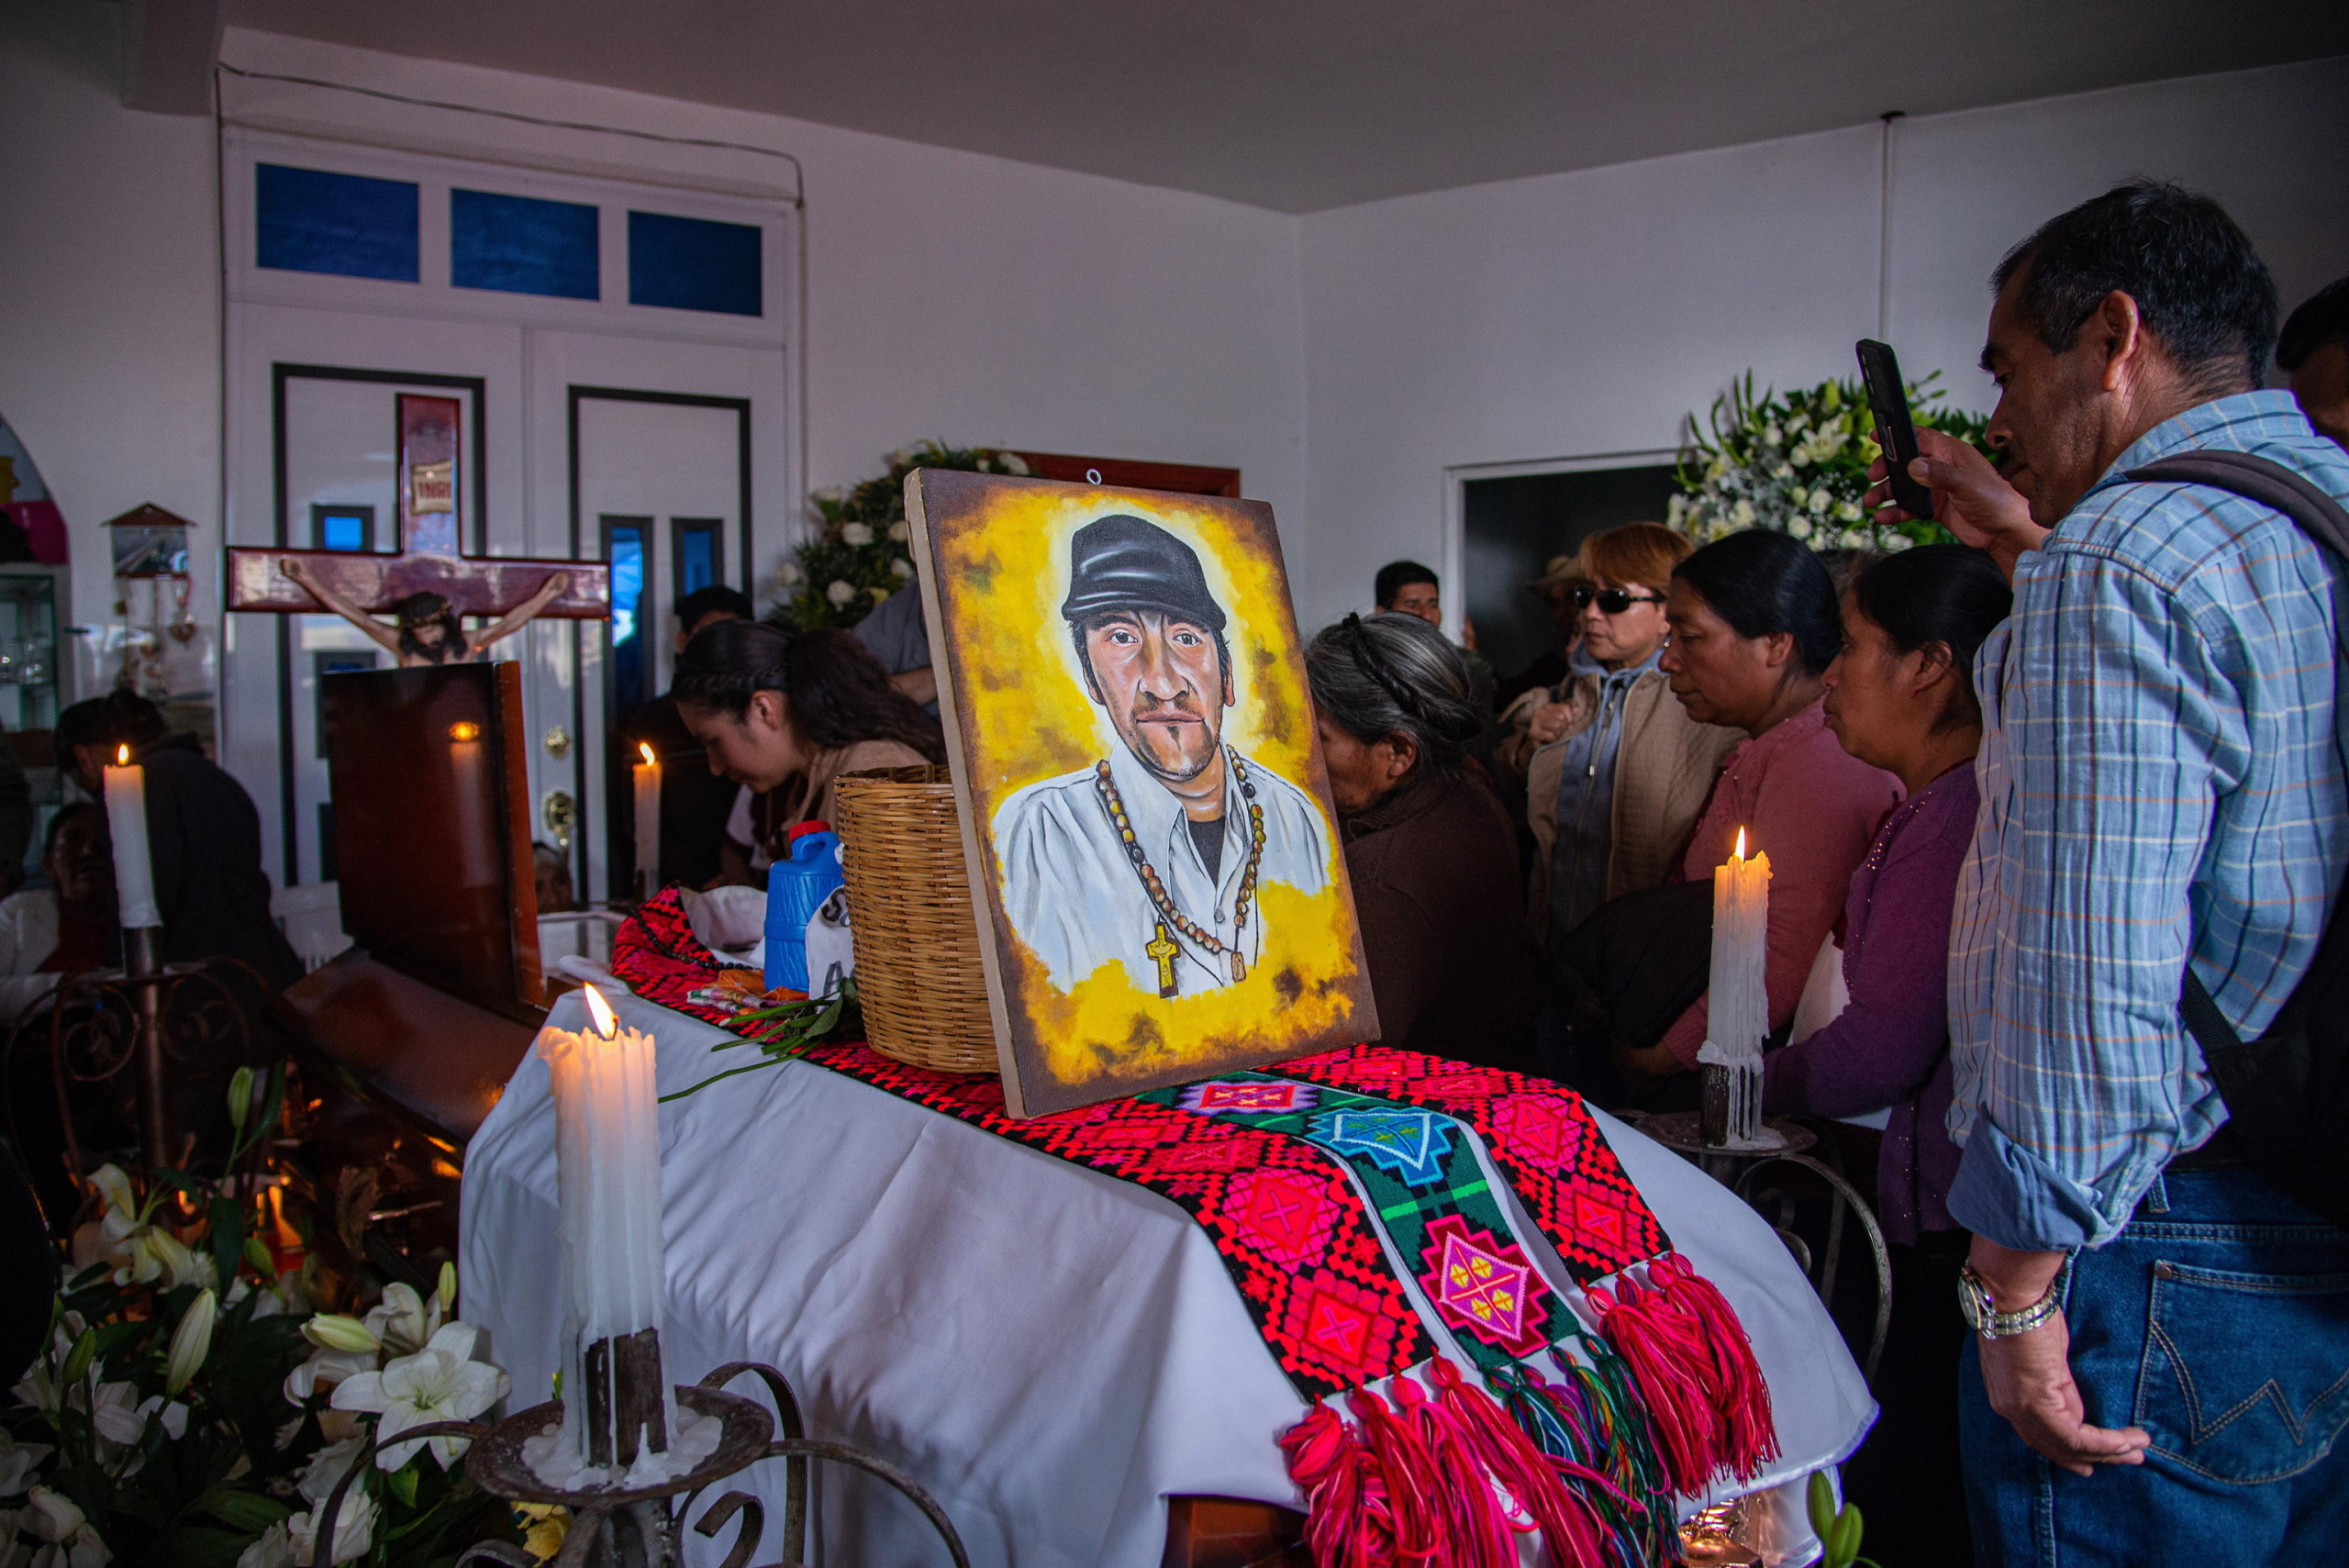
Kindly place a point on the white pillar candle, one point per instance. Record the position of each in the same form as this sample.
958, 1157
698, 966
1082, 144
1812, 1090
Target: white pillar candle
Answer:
1737, 1009
134, 870
608, 1178
647, 822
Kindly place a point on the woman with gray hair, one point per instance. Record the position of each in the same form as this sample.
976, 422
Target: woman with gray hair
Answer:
1429, 852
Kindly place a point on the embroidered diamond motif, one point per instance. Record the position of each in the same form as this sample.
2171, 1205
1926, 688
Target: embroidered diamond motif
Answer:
1602, 1223
1546, 1126
1481, 1286
1281, 1213
1256, 1097
1411, 1144
1337, 1328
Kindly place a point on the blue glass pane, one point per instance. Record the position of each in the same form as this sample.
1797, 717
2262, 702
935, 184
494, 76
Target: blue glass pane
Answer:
308, 220
342, 530
628, 596
696, 560
691, 263
522, 245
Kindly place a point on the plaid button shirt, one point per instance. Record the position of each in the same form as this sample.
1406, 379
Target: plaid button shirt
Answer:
2161, 776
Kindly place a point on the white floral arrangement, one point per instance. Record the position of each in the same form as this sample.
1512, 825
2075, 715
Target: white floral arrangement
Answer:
191, 1406
859, 556
1798, 461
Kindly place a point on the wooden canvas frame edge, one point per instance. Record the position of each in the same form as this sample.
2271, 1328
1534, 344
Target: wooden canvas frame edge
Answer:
944, 658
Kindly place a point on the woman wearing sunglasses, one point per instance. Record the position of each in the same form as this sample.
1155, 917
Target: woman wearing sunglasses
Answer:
1616, 770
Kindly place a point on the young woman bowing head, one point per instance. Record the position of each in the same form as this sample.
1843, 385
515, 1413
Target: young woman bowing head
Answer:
784, 715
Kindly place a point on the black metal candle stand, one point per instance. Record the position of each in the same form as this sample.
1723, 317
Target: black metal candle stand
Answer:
642, 1527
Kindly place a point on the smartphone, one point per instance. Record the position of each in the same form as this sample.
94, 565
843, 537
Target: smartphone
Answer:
1888, 401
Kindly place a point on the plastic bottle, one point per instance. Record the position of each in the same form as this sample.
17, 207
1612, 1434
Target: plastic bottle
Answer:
797, 886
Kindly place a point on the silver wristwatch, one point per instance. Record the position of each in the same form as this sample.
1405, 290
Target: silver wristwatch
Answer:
1981, 1309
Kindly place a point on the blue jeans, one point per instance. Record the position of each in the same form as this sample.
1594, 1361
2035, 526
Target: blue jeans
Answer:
2218, 1320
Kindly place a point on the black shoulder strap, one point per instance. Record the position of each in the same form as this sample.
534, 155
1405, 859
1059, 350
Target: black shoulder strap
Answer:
2270, 483
2325, 521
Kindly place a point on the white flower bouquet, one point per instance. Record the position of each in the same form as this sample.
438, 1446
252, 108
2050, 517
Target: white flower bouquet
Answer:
1798, 461
191, 1407
859, 555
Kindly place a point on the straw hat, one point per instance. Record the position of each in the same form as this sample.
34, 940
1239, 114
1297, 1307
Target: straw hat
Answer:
1561, 573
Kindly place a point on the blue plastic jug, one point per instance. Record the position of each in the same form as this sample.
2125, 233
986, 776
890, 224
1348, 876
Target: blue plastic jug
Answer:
797, 888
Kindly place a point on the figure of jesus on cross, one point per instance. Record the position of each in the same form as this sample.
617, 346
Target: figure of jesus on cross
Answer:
430, 585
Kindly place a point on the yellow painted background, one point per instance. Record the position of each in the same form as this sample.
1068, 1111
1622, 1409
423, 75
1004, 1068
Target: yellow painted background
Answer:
1001, 555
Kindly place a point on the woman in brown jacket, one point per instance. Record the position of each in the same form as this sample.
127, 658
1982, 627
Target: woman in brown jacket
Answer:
1616, 771
1431, 853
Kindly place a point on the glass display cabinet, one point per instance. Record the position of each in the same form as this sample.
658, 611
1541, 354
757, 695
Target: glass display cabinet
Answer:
35, 673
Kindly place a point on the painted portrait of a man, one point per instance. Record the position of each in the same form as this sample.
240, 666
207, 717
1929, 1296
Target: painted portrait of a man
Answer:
1151, 848
1153, 856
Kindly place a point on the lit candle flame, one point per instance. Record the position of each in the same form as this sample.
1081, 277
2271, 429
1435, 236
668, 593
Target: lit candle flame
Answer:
599, 1012
122, 756
1740, 843
647, 749
464, 729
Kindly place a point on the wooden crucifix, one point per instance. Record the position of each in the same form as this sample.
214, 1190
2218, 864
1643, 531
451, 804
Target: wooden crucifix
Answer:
430, 585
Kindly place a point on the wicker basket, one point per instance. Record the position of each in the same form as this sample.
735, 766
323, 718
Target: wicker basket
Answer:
918, 969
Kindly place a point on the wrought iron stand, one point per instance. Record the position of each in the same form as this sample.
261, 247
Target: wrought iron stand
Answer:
641, 1527
142, 1019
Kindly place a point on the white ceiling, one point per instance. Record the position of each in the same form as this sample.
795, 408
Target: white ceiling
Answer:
1301, 104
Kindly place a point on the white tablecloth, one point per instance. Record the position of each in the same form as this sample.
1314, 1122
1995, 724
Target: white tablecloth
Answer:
1049, 1350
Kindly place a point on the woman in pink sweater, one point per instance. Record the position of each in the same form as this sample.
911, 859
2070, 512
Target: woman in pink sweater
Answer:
1754, 623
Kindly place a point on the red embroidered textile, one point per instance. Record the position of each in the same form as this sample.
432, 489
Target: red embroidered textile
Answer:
1286, 1222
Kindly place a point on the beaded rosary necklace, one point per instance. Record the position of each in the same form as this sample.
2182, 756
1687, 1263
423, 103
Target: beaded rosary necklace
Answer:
1163, 949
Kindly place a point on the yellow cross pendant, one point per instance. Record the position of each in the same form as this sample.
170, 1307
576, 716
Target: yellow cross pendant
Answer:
1164, 950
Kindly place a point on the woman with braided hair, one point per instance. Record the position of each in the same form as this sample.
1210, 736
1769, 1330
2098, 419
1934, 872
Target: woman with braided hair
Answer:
1429, 851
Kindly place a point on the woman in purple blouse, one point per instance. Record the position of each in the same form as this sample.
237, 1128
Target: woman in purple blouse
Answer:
1900, 697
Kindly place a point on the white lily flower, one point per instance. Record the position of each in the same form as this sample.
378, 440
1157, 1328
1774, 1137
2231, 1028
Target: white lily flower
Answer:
1012, 463
121, 1199
856, 534
114, 1413
402, 1321
327, 1468
839, 593
901, 567
324, 1370
191, 1342
18, 1463
439, 1383
293, 1543
900, 531
173, 1415
445, 1291
68, 1542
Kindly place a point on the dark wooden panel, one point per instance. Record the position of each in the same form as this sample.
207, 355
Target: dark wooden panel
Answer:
1185, 478
435, 1056
428, 769
1233, 1532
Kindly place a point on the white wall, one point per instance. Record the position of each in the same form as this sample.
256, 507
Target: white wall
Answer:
980, 300
950, 294
1587, 313
109, 289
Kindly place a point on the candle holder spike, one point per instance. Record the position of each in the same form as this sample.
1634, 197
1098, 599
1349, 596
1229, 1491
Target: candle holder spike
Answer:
641, 1527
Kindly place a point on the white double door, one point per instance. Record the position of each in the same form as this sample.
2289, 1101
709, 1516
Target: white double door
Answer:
572, 445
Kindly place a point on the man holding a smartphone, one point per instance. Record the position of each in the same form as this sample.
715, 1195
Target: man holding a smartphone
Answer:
2160, 1367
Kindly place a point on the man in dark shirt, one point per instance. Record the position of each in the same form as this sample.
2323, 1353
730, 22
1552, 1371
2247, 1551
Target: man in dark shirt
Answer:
203, 835
694, 801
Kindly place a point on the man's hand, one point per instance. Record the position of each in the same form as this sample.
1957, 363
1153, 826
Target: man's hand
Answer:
1970, 498
1549, 722
2029, 1377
